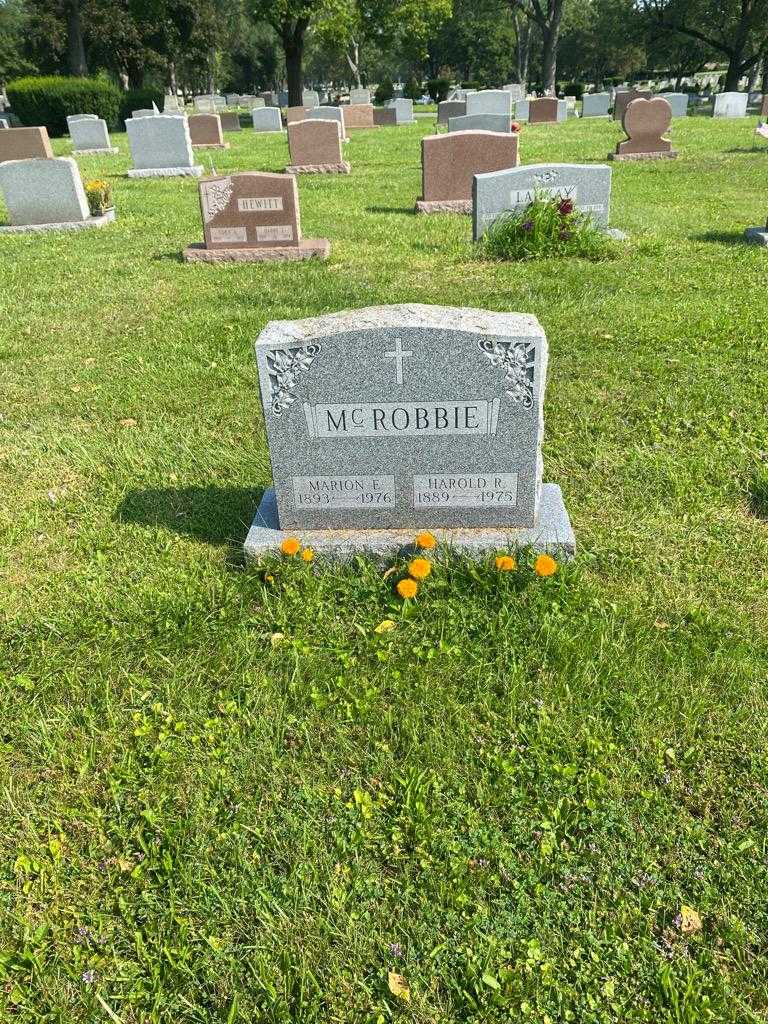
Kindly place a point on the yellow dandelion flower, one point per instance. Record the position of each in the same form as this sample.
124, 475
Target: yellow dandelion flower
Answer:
385, 626
290, 546
407, 589
545, 565
426, 540
307, 554
505, 563
419, 568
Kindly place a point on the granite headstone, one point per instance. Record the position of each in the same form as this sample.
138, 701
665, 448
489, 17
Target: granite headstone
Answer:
205, 132
385, 421
161, 147
730, 104
490, 101
46, 194
450, 108
266, 119
91, 136
480, 122
315, 147
595, 104
25, 144
449, 162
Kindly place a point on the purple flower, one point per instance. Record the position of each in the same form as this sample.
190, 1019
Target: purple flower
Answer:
89, 976
528, 225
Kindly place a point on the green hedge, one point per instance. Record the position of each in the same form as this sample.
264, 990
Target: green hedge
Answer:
48, 101
139, 99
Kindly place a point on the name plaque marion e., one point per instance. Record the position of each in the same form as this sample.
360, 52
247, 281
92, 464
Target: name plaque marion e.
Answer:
388, 420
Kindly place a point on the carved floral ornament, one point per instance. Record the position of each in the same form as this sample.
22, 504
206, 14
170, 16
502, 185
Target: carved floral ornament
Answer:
286, 367
516, 359
217, 195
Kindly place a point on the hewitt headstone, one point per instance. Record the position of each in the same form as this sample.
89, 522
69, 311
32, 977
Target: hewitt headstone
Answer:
595, 104
512, 191
490, 101
46, 195
382, 422
91, 136
252, 217
480, 122
161, 147
25, 144
449, 162
315, 148
730, 104
645, 122
266, 119
205, 132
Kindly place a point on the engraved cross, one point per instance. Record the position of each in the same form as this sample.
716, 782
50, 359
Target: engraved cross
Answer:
398, 355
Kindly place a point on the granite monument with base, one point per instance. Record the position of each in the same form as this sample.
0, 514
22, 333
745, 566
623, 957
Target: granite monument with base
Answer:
46, 195
161, 147
252, 217
25, 144
205, 131
645, 122
90, 137
385, 421
266, 119
511, 191
449, 162
480, 122
315, 148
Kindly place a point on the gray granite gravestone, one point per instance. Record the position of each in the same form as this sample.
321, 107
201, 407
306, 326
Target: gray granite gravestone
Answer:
328, 114
450, 108
310, 98
480, 123
403, 110
490, 101
46, 195
267, 119
757, 236
516, 91
522, 110
81, 117
678, 101
595, 104
730, 104
161, 147
359, 96
512, 190
91, 136
385, 421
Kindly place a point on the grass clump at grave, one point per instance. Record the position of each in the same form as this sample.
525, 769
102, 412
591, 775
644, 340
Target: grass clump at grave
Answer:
548, 227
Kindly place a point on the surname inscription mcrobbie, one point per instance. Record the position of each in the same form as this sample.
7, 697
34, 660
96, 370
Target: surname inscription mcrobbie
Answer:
389, 420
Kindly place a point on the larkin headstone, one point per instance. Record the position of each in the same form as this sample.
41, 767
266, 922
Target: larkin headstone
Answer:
385, 421
252, 217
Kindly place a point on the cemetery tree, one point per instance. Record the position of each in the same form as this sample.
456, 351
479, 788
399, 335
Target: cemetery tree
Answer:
290, 19
547, 15
738, 29
13, 30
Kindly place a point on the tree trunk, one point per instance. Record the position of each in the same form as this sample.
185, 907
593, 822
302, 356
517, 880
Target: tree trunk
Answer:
293, 45
75, 47
755, 74
523, 48
172, 77
353, 59
549, 62
765, 74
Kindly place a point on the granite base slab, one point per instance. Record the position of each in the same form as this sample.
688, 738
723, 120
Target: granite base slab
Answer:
342, 168
112, 151
210, 145
70, 225
444, 206
554, 534
757, 236
626, 157
307, 249
166, 172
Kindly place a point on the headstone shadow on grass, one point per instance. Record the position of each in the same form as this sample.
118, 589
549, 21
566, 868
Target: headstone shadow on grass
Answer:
214, 514
721, 237
758, 495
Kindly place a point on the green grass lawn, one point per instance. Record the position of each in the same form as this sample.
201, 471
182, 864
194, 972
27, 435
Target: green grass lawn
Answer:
233, 801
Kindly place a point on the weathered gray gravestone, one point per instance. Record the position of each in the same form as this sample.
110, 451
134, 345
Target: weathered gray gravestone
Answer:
403, 110
161, 147
490, 101
678, 101
757, 236
522, 110
450, 108
310, 98
91, 136
595, 104
511, 191
267, 119
45, 195
730, 104
480, 123
328, 114
359, 96
516, 91
385, 421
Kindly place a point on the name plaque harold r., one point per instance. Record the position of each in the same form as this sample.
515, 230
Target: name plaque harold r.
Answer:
388, 420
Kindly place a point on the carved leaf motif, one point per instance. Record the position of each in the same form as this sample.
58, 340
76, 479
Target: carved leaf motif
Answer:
217, 196
285, 369
517, 360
